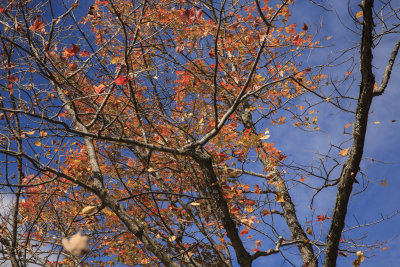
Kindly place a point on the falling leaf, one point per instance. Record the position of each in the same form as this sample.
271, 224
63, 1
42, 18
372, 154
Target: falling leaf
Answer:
309, 231
76, 245
377, 122
384, 183
385, 248
121, 80
359, 14
88, 209
37, 26
347, 125
279, 197
344, 152
394, 120
329, 37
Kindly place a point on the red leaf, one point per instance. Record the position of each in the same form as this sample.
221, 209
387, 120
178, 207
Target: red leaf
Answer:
73, 66
12, 78
72, 51
38, 26
211, 54
1, 10
244, 232
121, 80
322, 218
100, 89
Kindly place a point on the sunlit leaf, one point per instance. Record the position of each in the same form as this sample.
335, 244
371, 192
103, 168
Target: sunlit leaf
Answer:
344, 152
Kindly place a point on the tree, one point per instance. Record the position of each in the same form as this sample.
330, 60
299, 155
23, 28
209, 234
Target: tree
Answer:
141, 124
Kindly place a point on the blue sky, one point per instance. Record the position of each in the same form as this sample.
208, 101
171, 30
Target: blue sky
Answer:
376, 200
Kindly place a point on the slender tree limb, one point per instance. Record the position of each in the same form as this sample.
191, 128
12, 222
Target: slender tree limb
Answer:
388, 70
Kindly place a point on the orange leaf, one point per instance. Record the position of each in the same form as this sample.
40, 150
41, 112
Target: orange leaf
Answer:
279, 197
84, 53
384, 183
37, 26
377, 122
359, 14
347, 125
329, 37
73, 66
385, 248
244, 232
348, 73
309, 231
72, 51
121, 80
344, 152
302, 179
265, 212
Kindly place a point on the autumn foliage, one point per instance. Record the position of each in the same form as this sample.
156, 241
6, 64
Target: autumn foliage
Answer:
127, 123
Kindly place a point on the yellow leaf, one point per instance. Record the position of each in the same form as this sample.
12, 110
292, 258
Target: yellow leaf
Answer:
172, 238
115, 60
38, 143
344, 152
309, 231
347, 125
359, 14
384, 183
31, 132
279, 197
88, 209
151, 169
327, 99
195, 204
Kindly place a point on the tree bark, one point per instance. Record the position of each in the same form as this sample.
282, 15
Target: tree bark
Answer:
351, 166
